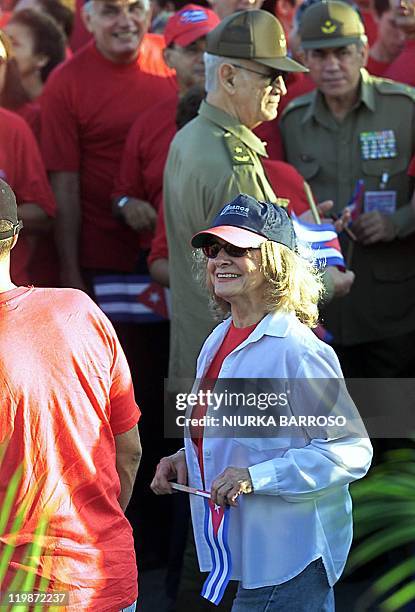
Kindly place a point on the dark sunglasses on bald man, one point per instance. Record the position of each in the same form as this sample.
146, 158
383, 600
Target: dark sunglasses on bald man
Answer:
211, 251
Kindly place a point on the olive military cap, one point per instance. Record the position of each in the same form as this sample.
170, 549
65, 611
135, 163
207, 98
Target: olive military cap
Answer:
255, 35
330, 24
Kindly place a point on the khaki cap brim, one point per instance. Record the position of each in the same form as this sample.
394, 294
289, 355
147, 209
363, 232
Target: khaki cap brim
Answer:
281, 63
328, 43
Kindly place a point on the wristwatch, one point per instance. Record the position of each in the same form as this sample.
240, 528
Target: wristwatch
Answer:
119, 205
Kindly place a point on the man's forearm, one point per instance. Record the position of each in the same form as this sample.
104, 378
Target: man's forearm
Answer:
35, 220
65, 186
128, 457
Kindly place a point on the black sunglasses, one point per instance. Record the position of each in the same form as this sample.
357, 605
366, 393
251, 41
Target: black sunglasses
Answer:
211, 251
273, 75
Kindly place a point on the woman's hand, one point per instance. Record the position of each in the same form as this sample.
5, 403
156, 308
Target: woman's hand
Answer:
228, 485
170, 468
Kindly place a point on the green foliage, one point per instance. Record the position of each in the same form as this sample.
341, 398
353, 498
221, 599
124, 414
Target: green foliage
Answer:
24, 579
384, 516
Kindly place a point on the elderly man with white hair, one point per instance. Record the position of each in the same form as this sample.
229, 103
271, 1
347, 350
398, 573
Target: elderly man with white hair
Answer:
217, 156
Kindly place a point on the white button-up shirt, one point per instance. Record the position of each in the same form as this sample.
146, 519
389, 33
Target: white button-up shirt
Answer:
300, 509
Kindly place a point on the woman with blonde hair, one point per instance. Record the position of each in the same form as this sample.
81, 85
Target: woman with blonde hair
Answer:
289, 525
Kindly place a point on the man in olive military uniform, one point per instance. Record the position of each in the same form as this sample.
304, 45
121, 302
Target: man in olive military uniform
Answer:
353, 128
217, 156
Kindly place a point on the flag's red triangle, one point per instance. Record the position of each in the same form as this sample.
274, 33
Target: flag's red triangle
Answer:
154, 298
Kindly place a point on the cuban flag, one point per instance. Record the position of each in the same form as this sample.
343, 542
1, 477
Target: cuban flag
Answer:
131, 298
216, 534
322, 240
356, 203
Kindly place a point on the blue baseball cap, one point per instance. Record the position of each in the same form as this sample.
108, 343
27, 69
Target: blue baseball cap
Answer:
247, 223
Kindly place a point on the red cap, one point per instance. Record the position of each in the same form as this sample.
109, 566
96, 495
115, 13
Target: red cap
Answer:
190, 23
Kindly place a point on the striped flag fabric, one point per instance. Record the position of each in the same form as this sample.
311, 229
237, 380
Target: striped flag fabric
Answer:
131, 298
355, 206
322, 240
216, 533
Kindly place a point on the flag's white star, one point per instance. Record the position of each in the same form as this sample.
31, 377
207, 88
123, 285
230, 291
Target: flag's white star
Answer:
154, 298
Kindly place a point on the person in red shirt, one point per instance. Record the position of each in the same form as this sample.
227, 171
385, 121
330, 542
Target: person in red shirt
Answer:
390, 40
403, 68
68, 421
88, 106
138, 187
38, 47
22, 167
61, 11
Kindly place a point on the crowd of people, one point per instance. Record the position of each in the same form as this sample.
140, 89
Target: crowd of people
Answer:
125, 127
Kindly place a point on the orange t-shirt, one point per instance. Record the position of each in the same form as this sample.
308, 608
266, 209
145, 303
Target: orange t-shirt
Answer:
65, 391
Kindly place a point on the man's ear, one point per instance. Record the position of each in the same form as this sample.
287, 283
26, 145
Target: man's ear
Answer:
226, 75
41, 61
364, 52
305, 56
167, 56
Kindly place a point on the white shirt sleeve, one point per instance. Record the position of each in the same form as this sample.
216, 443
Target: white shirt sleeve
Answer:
327, 461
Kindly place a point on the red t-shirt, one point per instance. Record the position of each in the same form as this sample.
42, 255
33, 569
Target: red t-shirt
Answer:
66, 391
403, 68
411, 168
22, 168
269, 130
375, 67
144, 157
88, 106
234, 337
4, 18
371, 27
286, 182
31, 114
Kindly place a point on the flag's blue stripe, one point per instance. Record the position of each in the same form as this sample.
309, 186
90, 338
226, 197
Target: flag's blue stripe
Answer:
335, 261
212, 554
225, 579
118, 297
330, 261
220, 573
208, 587
122, 278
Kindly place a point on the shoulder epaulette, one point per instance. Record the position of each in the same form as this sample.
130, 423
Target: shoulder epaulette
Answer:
239, 152
298, 103
283, 202
386, 86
